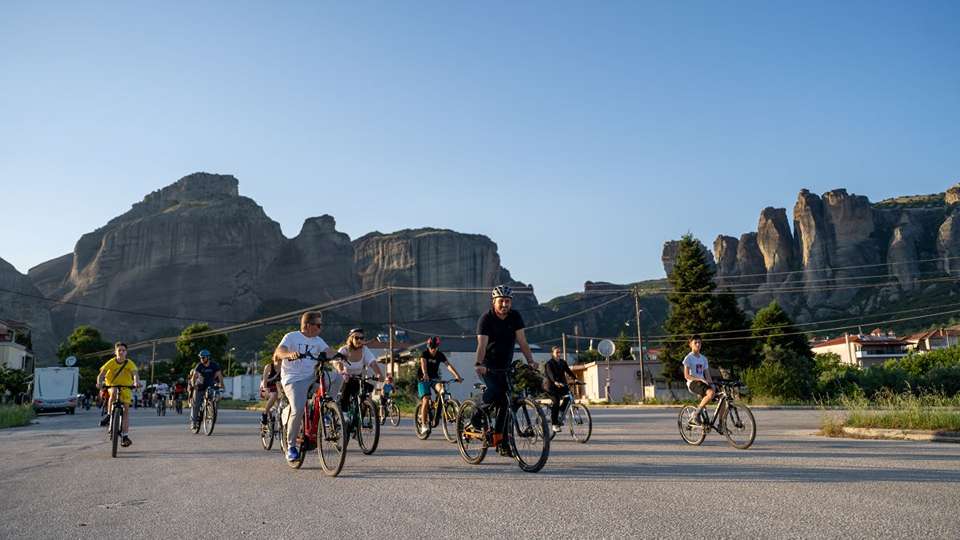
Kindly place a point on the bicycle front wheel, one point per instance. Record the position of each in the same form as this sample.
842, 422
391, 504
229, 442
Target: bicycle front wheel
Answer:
449, 413
739, 427
209, 417
691, 431
331, 446
394, 414
422, 434
472, 439
530, 436
267, 433
115, 420
581, 423
368, 436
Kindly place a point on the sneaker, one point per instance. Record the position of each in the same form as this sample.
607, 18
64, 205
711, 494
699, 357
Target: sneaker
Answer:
423, 429
105, 421
263, 418
292, 454
504, 450
555, 428
125, 441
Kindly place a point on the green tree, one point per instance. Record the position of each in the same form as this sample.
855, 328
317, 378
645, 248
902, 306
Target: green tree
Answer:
192, 341
694, 309
83, 343
774, 328
14, 380
783, 373
623, 345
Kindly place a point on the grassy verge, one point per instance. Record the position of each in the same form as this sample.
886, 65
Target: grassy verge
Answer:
240, 404
896, 411
15, 415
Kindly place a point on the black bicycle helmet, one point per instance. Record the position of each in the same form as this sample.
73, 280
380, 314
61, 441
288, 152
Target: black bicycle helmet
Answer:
433, 342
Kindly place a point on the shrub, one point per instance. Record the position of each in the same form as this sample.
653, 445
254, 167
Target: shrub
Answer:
782, 374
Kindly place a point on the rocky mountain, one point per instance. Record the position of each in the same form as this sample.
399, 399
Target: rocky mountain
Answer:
843, 254
198, 250
21, 301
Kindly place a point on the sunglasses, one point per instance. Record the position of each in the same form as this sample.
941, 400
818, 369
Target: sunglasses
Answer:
315, 323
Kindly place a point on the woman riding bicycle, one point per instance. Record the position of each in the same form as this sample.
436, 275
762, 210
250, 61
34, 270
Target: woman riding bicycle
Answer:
357, 358
268, 386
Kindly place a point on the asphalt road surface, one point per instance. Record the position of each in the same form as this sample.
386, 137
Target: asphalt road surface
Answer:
634, 479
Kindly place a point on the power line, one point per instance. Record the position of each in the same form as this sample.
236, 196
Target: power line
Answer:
835, 268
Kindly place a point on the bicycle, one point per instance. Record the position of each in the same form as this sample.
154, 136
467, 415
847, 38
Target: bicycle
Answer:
389, 409
116, 419
271, 429
733, 420
178, 403
161, 406
524, 429
322, 426
577, 417
207, 415
445, 407
363, 422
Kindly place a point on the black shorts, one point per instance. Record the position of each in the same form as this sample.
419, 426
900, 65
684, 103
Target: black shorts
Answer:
699, 388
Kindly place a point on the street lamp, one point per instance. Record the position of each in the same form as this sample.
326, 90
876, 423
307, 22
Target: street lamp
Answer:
230, 360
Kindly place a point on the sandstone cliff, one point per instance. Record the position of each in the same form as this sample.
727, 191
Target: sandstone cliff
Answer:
198, 250
839, 243
21, 301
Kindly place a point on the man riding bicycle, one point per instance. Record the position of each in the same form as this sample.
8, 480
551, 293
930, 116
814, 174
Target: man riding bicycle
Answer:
498, 331
429, 370
207, 374
298, 352
160, 391
119, 371
555, 373
696, 370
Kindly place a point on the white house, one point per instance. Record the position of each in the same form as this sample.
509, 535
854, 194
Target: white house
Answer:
863, 351
12, 354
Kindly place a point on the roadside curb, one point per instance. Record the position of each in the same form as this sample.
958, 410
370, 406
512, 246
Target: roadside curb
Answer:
904, 434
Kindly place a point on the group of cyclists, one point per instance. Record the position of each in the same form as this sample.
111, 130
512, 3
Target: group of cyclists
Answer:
294, 371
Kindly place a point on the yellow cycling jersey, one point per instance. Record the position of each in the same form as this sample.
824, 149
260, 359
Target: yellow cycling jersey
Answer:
118, 373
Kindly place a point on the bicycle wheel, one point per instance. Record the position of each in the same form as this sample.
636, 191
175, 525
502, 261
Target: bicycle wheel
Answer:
691, 432
368, 437
546, 412
267, 433
472, 440
422, 434
739, 427
331, 446
115, 420
209, 417
580, 422
382, 411
394, 414
282, 430
449, 420
529, 437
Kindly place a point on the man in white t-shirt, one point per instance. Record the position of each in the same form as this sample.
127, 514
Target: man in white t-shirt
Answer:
696, 370
298, 352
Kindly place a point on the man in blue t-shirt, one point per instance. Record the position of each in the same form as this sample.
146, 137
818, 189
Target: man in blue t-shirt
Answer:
207, 374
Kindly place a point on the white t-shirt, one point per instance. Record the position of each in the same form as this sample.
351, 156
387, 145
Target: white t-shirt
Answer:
298, 370
697, 365
162, 389
354, 367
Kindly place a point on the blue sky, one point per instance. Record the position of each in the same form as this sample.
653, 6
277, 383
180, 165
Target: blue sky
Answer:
577, 135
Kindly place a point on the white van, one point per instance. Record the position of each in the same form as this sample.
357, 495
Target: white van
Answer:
55, 389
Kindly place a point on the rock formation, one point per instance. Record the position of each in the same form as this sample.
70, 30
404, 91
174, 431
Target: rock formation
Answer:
20, 301
844, 254
199, 251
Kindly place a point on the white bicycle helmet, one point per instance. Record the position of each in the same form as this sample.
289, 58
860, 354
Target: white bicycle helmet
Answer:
502, 291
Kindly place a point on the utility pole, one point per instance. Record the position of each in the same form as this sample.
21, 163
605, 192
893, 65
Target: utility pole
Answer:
153, 360
643, 383
391, 369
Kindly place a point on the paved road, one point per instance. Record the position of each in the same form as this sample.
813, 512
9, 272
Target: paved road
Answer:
634, 479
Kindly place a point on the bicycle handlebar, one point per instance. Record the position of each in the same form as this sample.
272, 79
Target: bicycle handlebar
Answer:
443, 381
